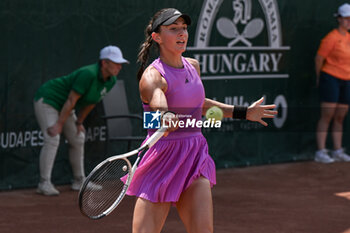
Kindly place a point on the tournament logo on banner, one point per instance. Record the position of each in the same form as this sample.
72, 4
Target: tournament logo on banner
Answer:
242, 39
239, 40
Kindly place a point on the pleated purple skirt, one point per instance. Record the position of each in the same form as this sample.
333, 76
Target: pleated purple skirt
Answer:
170, 167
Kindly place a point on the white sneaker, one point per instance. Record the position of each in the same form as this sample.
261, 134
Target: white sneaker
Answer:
322, 156
47, 188
340, 155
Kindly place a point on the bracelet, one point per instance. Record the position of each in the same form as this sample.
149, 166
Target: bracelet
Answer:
239, 112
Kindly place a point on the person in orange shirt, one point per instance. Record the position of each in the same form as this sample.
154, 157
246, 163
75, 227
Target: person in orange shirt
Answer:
332, 64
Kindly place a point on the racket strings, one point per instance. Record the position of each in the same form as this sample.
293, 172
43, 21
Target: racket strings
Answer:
104, 187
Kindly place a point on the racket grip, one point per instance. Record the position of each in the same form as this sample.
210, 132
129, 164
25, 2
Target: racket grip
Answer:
155, 137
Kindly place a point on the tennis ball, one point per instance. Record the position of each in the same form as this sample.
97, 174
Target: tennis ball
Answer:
214, 113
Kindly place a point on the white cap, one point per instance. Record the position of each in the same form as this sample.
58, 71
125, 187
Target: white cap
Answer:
344, 10
112, 53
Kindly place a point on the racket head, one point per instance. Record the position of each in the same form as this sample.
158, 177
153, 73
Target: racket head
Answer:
106, 185
104, 188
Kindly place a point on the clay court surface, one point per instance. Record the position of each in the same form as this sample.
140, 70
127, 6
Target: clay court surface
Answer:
303, 197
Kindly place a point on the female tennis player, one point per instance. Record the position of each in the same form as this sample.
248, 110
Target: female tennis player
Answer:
177, 169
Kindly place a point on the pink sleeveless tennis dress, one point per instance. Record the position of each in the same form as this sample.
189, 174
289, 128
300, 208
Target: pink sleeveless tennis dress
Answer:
175, 161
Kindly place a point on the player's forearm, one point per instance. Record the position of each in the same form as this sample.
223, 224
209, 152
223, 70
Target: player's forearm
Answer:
158, 101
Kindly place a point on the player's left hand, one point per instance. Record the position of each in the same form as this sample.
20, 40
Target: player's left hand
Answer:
256, 112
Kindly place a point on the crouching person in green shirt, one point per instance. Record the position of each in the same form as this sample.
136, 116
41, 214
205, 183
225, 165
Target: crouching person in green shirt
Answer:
55, 103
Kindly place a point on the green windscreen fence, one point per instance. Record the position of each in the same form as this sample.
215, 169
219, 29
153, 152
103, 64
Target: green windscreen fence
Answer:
247, 49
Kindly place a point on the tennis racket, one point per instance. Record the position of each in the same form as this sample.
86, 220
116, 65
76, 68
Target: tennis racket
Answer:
104, 189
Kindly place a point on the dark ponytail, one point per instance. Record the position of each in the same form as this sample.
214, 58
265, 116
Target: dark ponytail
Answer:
144, 53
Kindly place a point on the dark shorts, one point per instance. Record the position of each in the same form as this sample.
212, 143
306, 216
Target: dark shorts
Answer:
334, 90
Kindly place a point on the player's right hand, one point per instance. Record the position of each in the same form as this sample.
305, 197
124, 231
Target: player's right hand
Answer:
170, 121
